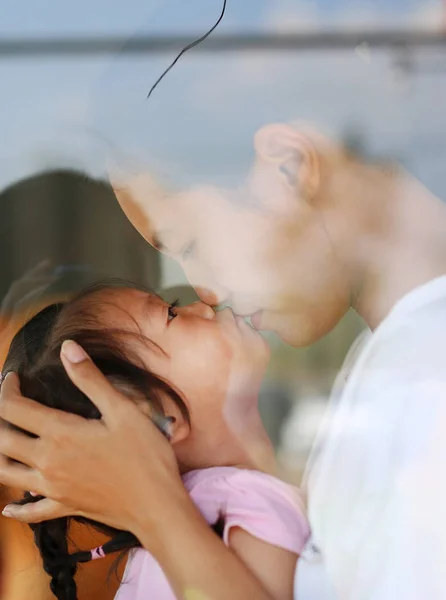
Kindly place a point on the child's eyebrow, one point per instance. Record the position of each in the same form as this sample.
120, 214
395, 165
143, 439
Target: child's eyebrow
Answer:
149, 305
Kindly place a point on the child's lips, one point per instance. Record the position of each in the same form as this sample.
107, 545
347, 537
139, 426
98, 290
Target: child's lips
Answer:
240, 321
244, 324
256, 319
252, 321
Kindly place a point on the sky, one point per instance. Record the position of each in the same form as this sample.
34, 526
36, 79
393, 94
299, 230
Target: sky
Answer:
55, 111
105, 17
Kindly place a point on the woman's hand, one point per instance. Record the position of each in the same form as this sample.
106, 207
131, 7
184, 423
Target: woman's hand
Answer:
111, 470
120, 471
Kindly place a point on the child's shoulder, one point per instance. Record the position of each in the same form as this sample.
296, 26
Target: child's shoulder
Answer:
234, 480
261, 504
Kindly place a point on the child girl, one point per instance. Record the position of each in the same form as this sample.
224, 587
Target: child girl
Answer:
196, 373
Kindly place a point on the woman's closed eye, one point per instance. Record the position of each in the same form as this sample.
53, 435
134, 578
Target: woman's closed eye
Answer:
171, 311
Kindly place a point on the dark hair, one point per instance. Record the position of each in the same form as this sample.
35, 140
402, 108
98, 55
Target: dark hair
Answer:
34, 355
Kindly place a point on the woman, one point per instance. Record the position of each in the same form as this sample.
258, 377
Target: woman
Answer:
313, 233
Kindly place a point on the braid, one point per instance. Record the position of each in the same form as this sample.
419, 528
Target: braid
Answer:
51, 539
122, 540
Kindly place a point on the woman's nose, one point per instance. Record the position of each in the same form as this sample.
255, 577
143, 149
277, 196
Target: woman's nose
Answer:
207, 296
199, 309
207, 289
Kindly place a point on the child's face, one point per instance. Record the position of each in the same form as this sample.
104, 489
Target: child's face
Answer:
215, 360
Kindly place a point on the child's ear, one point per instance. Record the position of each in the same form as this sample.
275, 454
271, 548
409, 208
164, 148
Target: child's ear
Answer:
170, 418
179, 428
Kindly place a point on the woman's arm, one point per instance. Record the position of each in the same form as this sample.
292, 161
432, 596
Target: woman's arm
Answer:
121, 471
274, 567
197, 563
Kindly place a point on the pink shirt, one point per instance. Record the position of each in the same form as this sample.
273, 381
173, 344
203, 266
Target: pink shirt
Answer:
264, 506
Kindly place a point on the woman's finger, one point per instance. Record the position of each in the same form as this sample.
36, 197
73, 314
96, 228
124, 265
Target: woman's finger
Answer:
18, 446
89, 379
28, 414
10, 386
35, 512
20, 477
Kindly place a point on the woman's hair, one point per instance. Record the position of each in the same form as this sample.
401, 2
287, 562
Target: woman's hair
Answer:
34, 355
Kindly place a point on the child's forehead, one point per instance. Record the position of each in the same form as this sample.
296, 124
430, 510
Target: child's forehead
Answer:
118, 305
123, 295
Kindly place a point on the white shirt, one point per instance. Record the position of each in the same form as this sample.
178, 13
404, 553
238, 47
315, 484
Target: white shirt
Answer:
376, 481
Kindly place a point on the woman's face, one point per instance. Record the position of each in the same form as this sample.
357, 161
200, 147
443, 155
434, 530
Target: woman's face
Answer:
279, 269
211, 358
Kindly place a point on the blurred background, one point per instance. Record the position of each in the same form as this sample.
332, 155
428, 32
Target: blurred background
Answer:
74, 80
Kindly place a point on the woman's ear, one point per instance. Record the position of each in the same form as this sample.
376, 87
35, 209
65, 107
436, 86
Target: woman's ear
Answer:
293, 155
